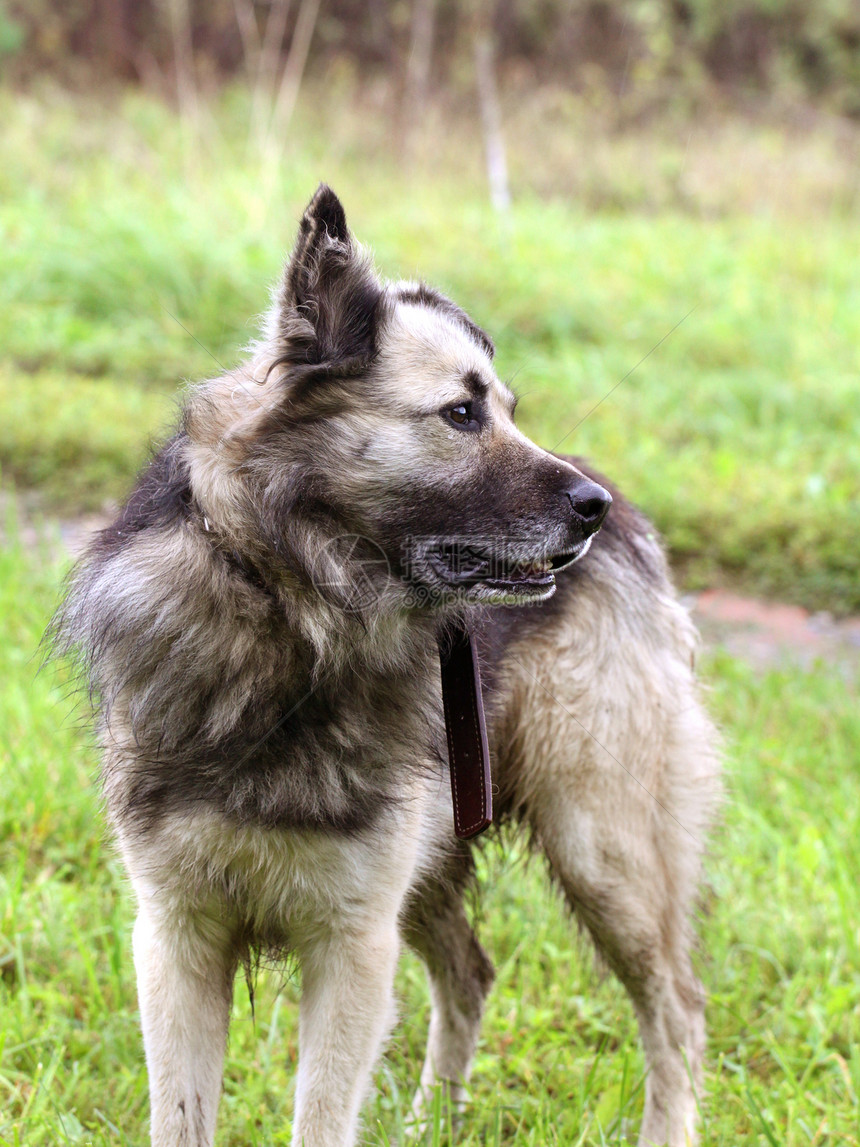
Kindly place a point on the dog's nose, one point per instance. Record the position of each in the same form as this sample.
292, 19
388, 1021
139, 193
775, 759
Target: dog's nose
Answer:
590, 504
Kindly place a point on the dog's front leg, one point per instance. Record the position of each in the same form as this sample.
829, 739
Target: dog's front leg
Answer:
185, 980
346, 1011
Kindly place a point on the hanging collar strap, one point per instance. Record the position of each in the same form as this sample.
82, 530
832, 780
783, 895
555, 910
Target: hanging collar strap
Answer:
466, 729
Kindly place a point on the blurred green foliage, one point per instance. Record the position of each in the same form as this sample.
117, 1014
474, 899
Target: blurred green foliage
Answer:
12, 34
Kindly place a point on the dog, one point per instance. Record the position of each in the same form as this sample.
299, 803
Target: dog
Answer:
259, 626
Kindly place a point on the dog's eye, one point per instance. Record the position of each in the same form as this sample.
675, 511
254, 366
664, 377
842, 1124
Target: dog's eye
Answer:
462, 415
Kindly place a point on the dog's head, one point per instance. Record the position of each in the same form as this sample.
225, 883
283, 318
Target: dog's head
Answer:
371, 430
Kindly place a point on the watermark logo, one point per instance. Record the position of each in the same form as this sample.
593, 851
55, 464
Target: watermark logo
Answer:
354, 570
431, 570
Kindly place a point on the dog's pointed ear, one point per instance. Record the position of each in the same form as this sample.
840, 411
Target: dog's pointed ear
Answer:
323, 226
329, 301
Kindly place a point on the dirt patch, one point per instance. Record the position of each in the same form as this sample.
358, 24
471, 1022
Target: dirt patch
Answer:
768, 634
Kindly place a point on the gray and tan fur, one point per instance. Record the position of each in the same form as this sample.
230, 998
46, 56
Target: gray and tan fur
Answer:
273, 742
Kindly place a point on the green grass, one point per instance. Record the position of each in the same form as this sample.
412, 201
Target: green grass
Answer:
75, 439
559, 1061
136, 252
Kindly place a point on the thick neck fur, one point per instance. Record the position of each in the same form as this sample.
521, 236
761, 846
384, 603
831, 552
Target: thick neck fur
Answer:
265, 701
266, 526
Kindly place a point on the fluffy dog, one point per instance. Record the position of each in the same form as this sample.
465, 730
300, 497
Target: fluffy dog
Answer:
259, 626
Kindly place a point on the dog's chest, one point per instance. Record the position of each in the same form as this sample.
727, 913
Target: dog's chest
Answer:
272, 885
331, 756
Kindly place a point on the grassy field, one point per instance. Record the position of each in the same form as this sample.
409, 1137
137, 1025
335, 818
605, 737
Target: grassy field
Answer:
136, 253
559, 1062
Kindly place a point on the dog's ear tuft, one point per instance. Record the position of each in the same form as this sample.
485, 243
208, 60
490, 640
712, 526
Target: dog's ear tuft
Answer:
327, 210
329, 302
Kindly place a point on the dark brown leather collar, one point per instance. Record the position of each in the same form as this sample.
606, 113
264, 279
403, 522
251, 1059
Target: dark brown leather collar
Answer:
466, 729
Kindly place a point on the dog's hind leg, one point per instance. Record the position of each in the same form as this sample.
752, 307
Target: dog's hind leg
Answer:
644, 936
185, 983
614, 766
435, 925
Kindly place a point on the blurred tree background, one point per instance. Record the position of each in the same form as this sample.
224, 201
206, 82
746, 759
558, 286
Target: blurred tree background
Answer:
745, 47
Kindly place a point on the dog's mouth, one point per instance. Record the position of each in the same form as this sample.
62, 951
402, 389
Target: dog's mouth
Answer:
471, 570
